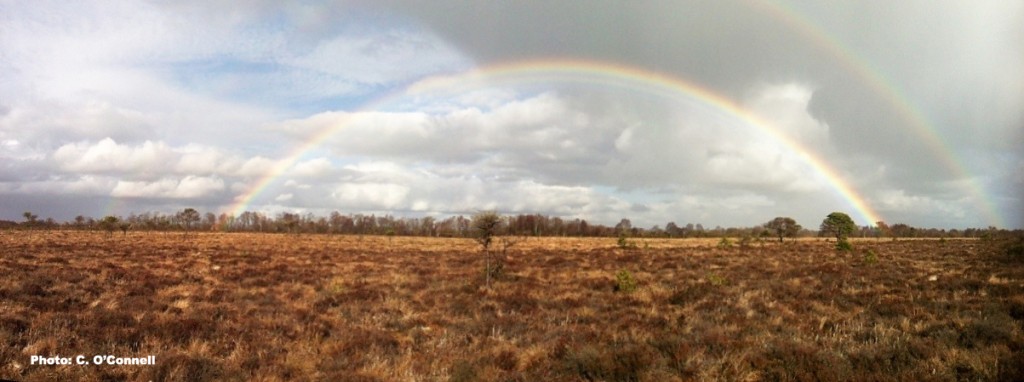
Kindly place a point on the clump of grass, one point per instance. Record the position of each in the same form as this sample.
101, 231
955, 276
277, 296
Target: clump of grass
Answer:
625, 282
463, 370
725, 243
870, 257
336, 286
717, 280
494, 270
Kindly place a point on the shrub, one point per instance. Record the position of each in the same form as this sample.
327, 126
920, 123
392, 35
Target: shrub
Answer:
624, 282
745, 241
725, 243
870, 257
844, 246
625, 243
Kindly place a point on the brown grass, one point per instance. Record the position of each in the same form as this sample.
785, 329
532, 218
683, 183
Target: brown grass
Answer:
307, 307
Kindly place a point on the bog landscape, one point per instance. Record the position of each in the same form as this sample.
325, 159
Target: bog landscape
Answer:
564, 190
303, 306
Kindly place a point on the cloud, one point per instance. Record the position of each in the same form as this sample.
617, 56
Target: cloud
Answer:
188, 187
380, 58
108, 156
312, 168
86, 185
575, 139
550, 152
150, 159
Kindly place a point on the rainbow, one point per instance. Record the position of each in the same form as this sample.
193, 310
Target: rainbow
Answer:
589, 72
884, 88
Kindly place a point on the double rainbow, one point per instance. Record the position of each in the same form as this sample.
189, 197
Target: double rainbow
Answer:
590, 72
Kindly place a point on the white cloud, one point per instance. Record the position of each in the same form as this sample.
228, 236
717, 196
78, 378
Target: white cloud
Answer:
108, 156
902, 202
256, 166
312, 168
784, 107
372, 196
188, 187
86, 185
154, 159
205, 160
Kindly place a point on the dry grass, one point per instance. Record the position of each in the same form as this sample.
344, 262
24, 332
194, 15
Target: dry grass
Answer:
288, 307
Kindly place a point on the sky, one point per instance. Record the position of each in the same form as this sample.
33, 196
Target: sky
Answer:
724, 113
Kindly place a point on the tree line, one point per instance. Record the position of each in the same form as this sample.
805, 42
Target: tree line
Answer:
190, 219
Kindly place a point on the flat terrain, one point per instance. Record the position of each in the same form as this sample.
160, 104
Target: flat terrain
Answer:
316, 307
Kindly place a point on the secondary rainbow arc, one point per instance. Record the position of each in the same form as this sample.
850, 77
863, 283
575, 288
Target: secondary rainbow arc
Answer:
886, 90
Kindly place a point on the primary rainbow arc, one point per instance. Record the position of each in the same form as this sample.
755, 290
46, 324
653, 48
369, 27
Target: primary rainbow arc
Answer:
590, 71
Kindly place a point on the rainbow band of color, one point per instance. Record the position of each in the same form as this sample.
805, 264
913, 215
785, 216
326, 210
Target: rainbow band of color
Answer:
884, 89
596, 72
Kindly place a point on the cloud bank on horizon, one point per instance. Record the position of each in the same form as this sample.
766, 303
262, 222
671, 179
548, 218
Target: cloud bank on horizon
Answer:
720, 113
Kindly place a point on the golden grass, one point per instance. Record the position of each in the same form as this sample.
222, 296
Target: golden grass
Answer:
316, 307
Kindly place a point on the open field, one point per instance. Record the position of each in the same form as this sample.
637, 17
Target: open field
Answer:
317, 307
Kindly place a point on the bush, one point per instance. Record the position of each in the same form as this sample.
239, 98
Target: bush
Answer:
870, 257
625, 243
746, 241
624, 282
844, 246
725, 243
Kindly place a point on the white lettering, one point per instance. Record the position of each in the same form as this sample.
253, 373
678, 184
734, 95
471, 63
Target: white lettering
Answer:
103, 359
55, 360
112, 360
